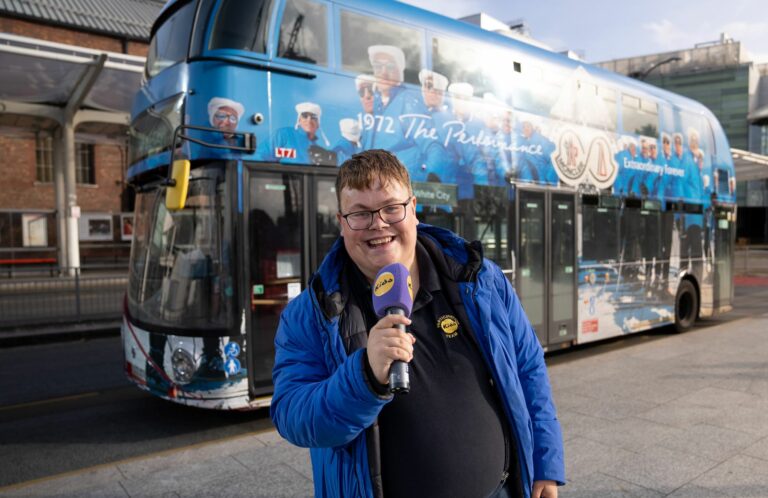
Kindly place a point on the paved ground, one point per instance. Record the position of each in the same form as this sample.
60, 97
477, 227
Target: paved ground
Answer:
677, 416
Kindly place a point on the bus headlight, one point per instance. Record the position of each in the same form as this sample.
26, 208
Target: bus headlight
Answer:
183, 366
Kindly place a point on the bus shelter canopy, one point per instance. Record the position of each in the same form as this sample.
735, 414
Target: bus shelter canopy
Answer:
40, 77
749, 165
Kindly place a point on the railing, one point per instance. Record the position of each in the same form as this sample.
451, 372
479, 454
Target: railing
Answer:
32, 299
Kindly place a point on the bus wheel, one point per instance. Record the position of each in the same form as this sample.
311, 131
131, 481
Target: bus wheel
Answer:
686, 306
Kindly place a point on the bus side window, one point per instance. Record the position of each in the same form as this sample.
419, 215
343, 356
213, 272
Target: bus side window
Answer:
600, 231
304, 32
358, 32
608, 98
640, 116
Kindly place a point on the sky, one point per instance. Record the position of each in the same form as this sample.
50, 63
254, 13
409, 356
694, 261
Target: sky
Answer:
600, 30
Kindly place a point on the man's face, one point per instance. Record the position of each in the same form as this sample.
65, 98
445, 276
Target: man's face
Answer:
462, 107
632, 149
491, 118
666, 147
366, 97
386, 71
527, 129
381, 244
644, 149
678, 146
506, 123
433, 97
225, 119
693, 142
654, 150
309, 123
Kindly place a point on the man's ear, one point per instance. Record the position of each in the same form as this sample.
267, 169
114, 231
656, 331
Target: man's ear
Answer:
338, 220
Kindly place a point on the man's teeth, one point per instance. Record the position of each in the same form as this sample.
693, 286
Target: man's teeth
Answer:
378, 242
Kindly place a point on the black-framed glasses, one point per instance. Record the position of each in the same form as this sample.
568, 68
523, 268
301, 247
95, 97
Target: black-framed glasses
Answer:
391, 214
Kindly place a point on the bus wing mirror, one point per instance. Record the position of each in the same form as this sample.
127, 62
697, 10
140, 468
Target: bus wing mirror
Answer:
176, 192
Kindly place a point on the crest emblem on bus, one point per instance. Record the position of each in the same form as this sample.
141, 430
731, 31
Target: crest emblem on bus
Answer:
285, 153
576, 164
601, 163
569, 157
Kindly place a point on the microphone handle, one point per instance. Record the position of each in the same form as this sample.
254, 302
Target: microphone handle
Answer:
399, 379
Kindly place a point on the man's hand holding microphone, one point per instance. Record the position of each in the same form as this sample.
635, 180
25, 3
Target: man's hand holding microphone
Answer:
390, 347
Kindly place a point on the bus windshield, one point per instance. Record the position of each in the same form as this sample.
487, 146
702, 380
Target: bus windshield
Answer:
181, 275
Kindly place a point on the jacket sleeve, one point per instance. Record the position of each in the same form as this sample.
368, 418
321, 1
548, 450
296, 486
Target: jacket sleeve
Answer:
548, 456
315, 405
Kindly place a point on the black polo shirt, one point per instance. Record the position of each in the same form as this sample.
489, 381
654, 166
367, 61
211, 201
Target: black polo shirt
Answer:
448, 436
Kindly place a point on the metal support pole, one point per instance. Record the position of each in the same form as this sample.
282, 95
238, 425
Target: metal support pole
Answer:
80, 92
59, 167
73, 239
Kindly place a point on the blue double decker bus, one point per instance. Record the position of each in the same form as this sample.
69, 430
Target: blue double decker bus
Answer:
609, 204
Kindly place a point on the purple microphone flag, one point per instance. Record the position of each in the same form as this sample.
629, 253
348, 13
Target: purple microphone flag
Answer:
392, 289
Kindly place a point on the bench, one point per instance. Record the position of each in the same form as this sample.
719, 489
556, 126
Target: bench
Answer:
15, 263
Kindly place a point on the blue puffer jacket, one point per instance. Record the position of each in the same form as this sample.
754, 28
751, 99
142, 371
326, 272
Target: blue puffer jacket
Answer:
322, 400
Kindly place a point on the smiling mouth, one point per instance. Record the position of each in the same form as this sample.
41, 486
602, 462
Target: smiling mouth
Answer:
380, 241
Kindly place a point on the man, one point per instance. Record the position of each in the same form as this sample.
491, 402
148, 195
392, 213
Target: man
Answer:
365, 84
436, 163
628, 178
701, 174
349, 144
491, 141
479, 419
463, 131
535, 155
224, 115
391, 101
299, 144
655, 176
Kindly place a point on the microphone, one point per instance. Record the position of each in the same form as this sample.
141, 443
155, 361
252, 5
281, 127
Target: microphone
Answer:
393, 295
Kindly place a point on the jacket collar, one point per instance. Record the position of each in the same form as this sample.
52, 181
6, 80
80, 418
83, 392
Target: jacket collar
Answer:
454, 258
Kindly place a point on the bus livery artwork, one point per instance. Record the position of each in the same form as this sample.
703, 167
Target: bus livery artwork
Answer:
610, 204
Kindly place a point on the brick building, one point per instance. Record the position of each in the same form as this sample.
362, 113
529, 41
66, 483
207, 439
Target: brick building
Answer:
70, 70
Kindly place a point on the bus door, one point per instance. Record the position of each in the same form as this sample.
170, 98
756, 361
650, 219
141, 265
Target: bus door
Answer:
273, 215
545, 276
724, 235
289, 221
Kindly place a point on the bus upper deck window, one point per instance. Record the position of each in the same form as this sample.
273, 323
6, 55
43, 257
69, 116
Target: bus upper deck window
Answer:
304, 32
641, 116
170, 40
242, 25
358, 32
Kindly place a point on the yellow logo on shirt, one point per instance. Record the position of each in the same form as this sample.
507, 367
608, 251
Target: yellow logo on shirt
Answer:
449, 325
383, 284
